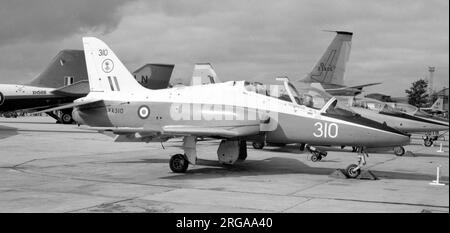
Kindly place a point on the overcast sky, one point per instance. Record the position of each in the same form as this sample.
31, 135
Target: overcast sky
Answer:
394, 40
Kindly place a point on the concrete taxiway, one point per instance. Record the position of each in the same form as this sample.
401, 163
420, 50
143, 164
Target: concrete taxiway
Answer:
48, 167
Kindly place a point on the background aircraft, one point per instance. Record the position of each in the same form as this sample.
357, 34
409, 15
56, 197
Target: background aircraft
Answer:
329, 70
63, 81
384, 113
118, 104
431, 135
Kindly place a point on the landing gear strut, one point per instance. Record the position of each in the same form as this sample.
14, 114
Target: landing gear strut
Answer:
353, 170
316, 154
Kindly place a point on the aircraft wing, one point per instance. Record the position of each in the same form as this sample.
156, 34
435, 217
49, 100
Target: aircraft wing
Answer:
78, 89
214, 131
128, 134
72, 105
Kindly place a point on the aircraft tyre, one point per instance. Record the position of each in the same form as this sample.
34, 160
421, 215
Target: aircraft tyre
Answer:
399, 150
316, 157
178, 163
428, 142
258, 145
66, 118
351, 171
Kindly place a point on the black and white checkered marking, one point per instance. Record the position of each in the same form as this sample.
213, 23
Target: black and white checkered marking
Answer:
143, 112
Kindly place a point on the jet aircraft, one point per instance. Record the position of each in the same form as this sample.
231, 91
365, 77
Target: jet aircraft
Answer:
431, 134
329, 70
233, 111
382, 112
64, 80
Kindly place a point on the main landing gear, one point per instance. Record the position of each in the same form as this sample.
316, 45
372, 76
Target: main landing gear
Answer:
353, 170
228, 153
316, 154
428, 140
178, 163
399, 150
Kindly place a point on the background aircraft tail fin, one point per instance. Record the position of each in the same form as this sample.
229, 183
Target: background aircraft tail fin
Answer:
106, 72
331, 66
438, 105
66, 68
204, 74
154, 76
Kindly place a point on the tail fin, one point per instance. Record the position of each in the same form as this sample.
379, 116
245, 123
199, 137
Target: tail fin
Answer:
154, 76
106, 72
331, 67
204, 74
67, 67
438, 105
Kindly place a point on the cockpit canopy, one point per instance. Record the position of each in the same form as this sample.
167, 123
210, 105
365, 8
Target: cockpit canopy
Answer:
301, 94
373, 104
307, 96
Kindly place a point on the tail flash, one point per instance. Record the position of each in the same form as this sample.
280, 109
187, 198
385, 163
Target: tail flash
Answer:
66, 68
106, 72
331, 66
204, 74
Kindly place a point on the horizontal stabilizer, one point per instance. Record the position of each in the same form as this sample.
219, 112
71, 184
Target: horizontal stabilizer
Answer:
364, 85
78, 89
72, 105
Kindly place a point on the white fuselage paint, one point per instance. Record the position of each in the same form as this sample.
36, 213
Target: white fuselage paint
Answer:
234, 94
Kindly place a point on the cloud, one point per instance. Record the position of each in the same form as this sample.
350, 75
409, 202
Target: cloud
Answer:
42, 20
394, 40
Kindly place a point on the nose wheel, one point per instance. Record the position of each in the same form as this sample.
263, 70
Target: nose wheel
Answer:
354, 170
178, 163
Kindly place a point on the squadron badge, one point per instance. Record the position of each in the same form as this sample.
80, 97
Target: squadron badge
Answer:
107, 65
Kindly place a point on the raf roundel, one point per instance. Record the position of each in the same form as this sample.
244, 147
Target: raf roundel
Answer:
143, 112
107, 65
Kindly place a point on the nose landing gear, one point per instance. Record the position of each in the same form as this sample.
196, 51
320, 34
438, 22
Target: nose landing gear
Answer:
354, 170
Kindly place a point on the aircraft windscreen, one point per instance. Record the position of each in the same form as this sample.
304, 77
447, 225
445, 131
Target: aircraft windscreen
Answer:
311, 97
339, 108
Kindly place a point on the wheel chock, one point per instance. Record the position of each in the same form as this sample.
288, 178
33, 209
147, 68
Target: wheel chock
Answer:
409, 153
339, 173
367, 175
